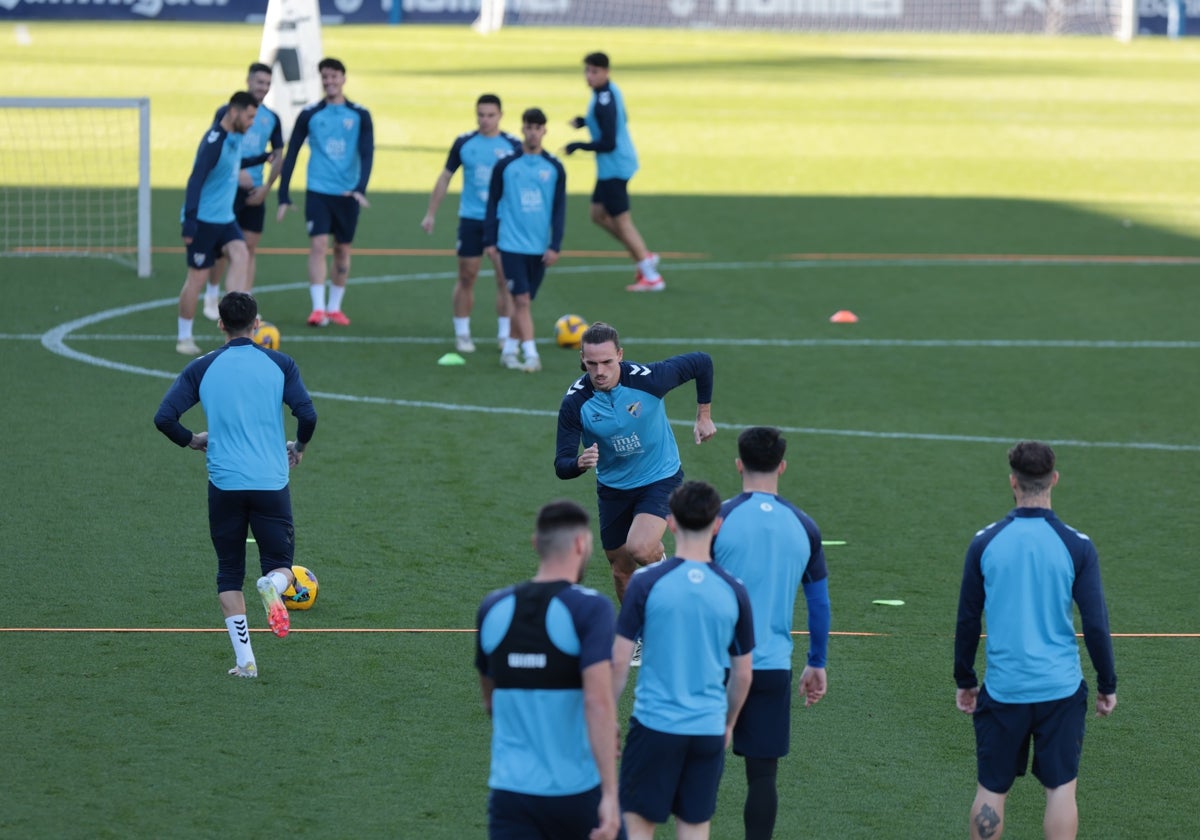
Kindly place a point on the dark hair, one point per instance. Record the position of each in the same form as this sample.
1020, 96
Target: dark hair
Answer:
534, 116
331, 64
259, 67
556, 523
596, 59
761, 448
694, 504
238, 311
242, 100
489, 99
1032, 462
600, 333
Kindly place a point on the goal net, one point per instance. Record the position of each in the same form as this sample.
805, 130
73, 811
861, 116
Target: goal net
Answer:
75, 178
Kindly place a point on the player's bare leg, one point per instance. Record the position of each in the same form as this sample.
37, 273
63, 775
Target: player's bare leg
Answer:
987, 814
252, 240
1061, 821
463, 301
637, 828
503, 301
238, 257
337, 289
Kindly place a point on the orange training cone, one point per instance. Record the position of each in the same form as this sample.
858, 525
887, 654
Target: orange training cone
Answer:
843, 316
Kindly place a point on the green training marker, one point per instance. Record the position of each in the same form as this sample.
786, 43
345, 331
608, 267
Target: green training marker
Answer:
452, 359
833, 542
886, 602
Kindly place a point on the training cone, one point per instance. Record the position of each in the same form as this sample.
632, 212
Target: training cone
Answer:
843, 316
452, 359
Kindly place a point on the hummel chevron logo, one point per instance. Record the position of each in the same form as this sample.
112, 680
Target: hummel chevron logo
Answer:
638, 370
576, 387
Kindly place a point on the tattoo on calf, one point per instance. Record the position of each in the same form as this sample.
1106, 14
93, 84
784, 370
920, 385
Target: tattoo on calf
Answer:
987, 821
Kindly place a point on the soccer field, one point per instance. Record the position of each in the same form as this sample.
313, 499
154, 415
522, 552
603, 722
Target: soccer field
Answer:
1012, 219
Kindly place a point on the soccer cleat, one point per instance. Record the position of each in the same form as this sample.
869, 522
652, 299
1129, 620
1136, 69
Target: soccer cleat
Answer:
211, 312
277, 614
248, 670
644, 285
317, 318
510, 361
636, 660
532, 365
464, 344
187, 346
500, 342
338, 318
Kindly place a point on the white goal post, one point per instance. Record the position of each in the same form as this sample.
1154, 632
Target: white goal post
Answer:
75, 178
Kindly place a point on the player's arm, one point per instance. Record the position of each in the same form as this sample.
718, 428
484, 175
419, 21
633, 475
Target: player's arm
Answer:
207, 157
276, 156
491, 216
736, 689
606, 121
181, 396
296, 397
366, 156
1088, 592
600, 713
558, 212
570, 433
442, 185
970, 625
299, 134
486, 687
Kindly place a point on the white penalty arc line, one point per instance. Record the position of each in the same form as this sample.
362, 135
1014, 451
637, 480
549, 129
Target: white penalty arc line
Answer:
54, 340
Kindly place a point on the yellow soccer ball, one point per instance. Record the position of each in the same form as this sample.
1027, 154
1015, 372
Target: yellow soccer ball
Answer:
302, 594
569, 330
267, 335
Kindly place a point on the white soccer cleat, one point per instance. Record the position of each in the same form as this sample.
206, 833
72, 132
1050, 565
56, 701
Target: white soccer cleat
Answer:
464, 344
532, 365
510, 361
187, 347
249, 670
211, 312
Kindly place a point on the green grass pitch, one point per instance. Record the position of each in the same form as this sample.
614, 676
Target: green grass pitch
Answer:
1012, 219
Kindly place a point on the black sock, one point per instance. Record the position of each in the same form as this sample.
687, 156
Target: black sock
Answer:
762, 800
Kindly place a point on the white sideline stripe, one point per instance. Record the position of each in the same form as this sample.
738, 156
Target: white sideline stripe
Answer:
1082, 344
54, 340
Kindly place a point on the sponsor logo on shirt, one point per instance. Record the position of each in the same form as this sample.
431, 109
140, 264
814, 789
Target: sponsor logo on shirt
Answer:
527, 660
695, 575
627, 444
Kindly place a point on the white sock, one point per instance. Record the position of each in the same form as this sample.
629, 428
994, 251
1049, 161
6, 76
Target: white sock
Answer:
185, 329
336, 293
503, 327
649, 269
279, 581
530, 349
318, 297
212, 291
239, 634
511, 346
462, 326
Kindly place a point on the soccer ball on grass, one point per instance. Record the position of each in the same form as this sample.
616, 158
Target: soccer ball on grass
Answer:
569, 330
302, 594
267, 335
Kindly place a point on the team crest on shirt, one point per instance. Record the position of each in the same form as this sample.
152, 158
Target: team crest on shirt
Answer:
766, 507
605, 97
634, 409
544, 175
348, 123
695, 575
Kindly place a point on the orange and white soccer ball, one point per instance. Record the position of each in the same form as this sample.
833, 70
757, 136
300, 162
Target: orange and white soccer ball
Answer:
302, 594
569, 330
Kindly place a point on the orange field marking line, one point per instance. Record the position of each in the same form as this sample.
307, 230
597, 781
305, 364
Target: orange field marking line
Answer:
1065, 258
